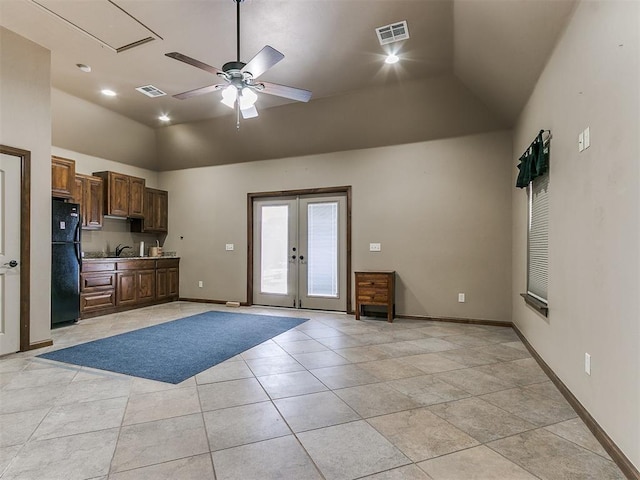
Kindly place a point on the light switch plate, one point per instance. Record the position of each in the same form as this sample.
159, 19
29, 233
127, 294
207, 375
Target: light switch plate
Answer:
229, 246
375, 247
587, 138
461, 298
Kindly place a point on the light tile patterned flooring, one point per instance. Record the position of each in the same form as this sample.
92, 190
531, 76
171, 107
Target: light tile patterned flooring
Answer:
331, 399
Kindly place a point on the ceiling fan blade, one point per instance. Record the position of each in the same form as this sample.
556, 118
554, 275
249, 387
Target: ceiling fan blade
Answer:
263, 61
292, 93
250, 112
192, 61
198, 91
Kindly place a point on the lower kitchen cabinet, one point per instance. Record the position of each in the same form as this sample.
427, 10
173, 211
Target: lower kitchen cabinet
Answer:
113, 285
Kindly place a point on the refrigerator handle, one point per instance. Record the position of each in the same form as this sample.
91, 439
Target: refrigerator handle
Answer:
77, 235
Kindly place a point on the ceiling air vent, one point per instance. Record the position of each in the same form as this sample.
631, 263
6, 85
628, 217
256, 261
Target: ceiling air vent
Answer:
151, 91
393, 33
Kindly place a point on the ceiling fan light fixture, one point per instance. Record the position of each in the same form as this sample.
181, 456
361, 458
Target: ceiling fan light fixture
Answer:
247, 98
229, 96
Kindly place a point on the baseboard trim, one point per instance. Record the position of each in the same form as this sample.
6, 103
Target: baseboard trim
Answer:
217, 302
628, 468
41, 344
469, 321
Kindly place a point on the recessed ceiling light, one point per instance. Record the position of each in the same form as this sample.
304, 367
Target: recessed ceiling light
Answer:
164, 118
108, 93
391, 59
83, 67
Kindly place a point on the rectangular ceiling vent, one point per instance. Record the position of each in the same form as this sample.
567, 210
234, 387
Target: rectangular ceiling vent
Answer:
151, 91
393, 33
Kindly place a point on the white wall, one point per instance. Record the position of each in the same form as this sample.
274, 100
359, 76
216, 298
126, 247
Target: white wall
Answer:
591, 80
25, 122
440, 209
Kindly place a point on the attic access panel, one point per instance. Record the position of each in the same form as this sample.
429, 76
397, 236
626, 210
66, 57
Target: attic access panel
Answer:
102, 20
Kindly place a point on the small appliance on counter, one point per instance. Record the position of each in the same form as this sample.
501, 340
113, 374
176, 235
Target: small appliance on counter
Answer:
65, 262
155, 251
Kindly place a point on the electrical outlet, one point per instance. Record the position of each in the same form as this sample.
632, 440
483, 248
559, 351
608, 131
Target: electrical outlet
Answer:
229, 247
200, 283
375, 247
461, 297
587, 364
581, 141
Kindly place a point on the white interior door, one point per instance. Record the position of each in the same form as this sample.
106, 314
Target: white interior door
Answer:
299, 246
9, 254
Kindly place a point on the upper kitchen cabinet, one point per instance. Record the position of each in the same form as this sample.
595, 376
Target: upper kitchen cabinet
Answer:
89, 194
63, 173
156, 212
124, 194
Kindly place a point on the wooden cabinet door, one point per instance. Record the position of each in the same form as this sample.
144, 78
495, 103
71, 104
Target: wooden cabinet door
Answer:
93, 213
136, 197
89, 194
78, 197
126, 288
173, 279
161, 284
146, 280
63, 177
161, 211
149, 210
118, 195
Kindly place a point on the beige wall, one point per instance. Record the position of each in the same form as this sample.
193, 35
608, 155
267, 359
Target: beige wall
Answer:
591, 80
414, 111
114, 231
25, 122
440, 209
88, 128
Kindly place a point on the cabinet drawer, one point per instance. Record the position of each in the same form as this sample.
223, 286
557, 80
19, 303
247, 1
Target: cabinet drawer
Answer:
380, 284
98, 266
97, 300
137, 265
92, 281
168, 262
381, 297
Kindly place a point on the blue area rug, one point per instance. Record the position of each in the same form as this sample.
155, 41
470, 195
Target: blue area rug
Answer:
174, 351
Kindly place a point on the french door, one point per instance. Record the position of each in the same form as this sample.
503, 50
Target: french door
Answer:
299, 252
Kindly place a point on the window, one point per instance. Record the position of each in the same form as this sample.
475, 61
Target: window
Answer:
538, 239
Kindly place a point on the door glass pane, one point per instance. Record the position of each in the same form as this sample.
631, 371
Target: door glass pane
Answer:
274, 249
322, 254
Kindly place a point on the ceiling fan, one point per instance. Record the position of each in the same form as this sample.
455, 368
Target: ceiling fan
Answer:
240, 87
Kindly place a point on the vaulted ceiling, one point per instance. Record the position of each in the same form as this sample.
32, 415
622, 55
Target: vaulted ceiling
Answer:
468, 66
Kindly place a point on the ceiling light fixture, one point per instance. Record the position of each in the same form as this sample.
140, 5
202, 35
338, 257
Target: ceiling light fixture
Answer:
164, 118
83, 67
109, 93
391, 59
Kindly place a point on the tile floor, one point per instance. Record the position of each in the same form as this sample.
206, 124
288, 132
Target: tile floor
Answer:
331, 399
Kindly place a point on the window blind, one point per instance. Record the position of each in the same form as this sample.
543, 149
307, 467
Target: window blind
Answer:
538, 241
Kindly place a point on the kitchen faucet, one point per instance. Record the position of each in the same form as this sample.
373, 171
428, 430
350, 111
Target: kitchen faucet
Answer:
120, 248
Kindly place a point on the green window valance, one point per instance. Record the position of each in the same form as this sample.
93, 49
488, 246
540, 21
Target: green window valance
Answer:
534, 162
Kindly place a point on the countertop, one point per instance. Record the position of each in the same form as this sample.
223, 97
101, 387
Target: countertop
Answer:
85, 259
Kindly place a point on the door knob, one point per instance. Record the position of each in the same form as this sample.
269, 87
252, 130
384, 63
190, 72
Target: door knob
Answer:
11, 264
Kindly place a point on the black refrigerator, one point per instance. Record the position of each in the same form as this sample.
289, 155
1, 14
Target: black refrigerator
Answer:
65, 262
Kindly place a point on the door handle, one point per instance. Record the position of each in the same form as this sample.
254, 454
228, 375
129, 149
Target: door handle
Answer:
11, 264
